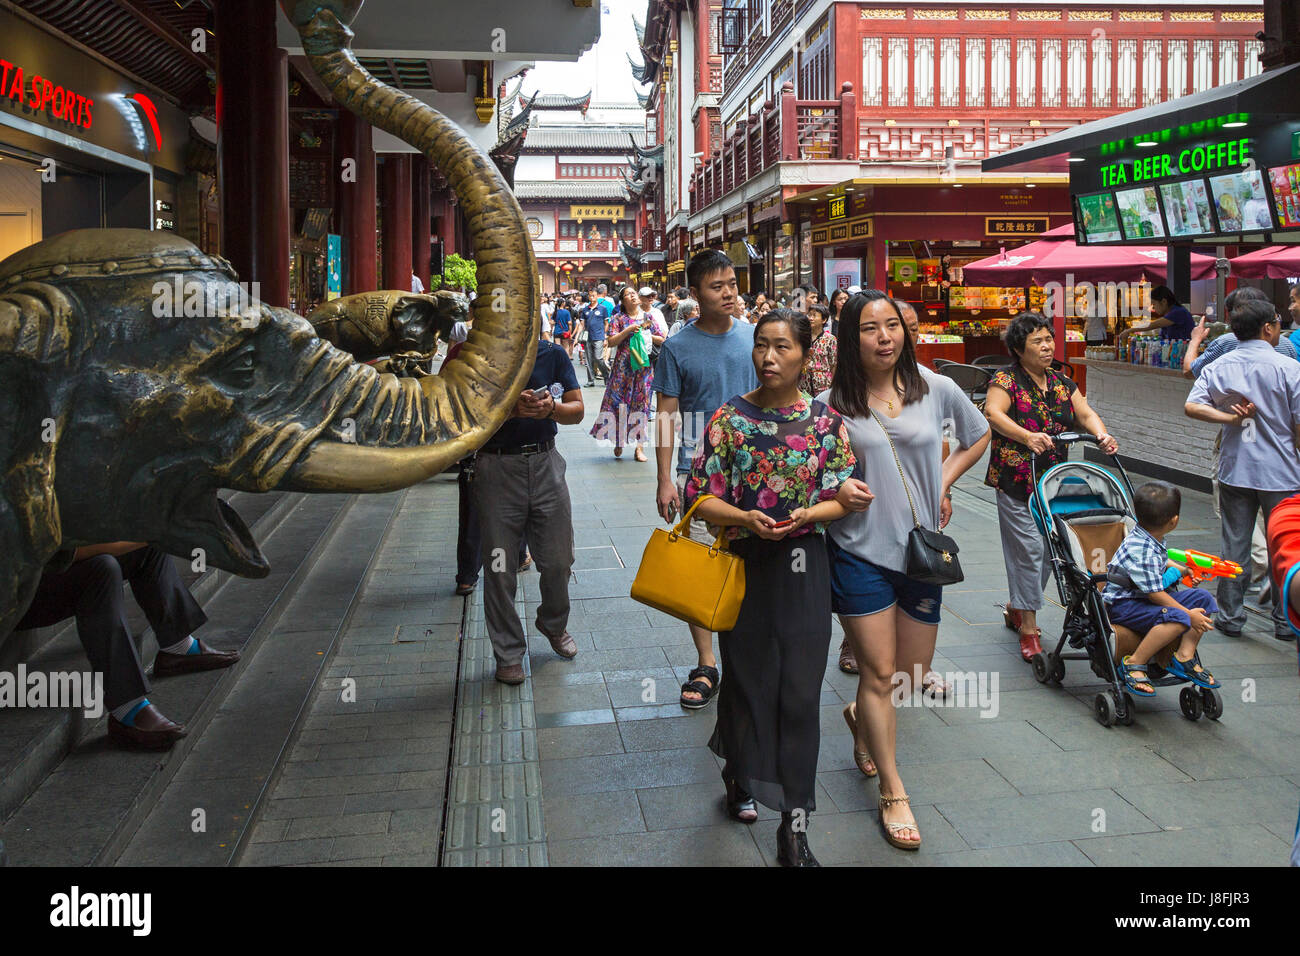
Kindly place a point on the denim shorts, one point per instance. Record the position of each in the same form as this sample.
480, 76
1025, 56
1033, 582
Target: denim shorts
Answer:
859, 587
1140, 615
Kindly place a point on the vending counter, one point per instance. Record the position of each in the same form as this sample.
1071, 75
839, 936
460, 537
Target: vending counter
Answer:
1142, 407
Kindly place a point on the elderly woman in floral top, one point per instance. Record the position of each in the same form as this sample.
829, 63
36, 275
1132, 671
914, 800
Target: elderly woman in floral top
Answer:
768, 471
820, 367
1028, 403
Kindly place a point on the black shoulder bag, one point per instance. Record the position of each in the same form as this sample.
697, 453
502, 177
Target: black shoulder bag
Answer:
931, 555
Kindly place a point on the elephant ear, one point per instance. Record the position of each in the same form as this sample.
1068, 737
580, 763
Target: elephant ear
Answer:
35, 346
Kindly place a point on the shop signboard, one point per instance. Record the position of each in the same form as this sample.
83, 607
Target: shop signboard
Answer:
47, 84
1231, 176
1023, 226
587, 211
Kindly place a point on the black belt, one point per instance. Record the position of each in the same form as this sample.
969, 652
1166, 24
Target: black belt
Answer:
520, 449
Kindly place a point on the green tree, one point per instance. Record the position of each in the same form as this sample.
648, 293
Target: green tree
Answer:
457, 273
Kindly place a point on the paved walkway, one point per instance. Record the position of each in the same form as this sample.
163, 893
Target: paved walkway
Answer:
592, 761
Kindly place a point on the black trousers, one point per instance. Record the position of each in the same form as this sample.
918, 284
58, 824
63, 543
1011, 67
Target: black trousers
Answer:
91, 590
469, 538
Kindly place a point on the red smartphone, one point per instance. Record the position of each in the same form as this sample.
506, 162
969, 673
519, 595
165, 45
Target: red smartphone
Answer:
782, 525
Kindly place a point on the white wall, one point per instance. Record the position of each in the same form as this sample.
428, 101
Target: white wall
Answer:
1143, 409
532, 168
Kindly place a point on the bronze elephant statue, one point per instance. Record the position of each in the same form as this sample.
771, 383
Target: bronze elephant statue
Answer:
120, 420
376, 325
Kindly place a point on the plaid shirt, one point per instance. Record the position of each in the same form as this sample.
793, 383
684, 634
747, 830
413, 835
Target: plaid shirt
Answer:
1226, 342
1141, 558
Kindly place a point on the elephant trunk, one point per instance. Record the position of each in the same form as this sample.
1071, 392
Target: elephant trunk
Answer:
447, 416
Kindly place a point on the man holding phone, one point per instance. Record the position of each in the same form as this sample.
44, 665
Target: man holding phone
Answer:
519, 488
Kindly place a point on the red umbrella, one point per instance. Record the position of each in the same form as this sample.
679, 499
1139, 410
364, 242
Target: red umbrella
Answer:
1056, 256
1274, 262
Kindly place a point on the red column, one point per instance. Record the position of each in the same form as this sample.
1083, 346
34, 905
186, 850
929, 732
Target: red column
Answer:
357, 203
397, 221
848, 122
789, 123
253, 146
420, 218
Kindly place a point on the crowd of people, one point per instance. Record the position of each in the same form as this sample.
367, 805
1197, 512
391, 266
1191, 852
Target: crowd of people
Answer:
806, 432
806, 425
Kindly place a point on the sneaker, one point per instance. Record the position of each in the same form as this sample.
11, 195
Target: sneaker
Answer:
1226, 631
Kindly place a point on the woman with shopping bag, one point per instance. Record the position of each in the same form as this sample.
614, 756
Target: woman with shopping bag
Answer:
768, 472
625, 409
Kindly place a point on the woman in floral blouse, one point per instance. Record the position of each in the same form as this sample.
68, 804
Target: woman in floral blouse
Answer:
770, 466
1028, 403
820, 367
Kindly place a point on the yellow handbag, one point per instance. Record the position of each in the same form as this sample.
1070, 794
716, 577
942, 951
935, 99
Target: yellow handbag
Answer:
693, 582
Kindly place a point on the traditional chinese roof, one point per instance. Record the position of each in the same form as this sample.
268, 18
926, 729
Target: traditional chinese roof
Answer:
653, 153
643, 72
571, 189
579, 138
632, 255
558, 101
643, 99
639, 26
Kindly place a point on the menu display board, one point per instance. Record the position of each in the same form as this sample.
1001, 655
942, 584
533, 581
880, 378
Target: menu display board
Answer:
1285, 181
1098, 218
1241, 202
1187, 208
1139, 213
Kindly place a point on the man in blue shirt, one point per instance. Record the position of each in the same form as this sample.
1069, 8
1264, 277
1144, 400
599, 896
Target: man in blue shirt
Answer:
699, 368
593, 318
519, 486
1254, 393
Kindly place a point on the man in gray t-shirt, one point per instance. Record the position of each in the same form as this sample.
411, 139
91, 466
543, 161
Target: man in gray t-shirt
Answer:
702, 370
699, 368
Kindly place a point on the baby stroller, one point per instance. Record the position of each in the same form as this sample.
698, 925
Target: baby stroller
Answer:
1084, 513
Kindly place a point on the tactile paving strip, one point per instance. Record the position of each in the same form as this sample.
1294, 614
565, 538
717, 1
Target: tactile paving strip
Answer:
495, 801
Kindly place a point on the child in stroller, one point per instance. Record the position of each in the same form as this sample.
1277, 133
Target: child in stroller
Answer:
1136, 596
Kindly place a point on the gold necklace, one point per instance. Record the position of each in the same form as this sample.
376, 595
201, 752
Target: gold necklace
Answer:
888, 401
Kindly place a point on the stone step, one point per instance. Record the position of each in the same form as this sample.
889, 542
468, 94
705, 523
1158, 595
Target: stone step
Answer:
33, 742
96, 796
201, 816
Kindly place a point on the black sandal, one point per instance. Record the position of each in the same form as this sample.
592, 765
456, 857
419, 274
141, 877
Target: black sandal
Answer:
698, 686
738, 802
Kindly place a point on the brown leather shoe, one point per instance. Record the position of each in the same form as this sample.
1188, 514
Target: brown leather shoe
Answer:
169, 665
151, 731
563, 645
510, 673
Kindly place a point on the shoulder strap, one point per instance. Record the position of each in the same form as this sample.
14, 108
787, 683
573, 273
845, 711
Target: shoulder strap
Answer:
902, 477
684, 526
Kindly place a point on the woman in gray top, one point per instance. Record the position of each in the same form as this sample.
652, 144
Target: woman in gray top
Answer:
891, 621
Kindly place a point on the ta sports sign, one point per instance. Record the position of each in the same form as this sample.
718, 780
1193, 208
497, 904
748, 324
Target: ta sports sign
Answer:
1203, 158
46, 96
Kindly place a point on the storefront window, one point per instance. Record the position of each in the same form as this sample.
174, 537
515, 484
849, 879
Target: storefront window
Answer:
783, 264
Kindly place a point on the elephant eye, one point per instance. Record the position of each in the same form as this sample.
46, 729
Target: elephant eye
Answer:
238, 369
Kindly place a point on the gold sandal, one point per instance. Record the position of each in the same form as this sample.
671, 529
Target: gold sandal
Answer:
860, 757
890, 829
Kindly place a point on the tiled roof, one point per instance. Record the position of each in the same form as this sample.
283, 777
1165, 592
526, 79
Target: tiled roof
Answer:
570, 138
571, 189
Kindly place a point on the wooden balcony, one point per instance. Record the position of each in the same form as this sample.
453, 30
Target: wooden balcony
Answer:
785, 131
